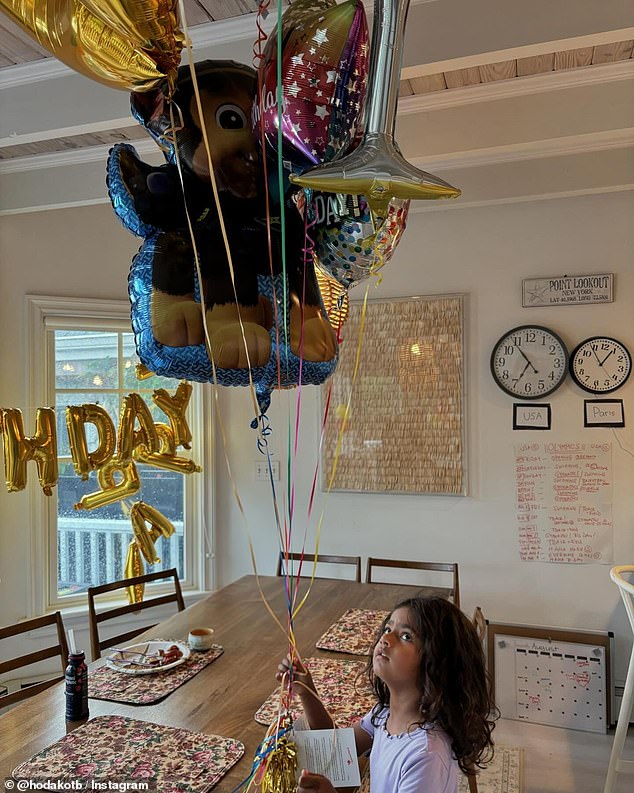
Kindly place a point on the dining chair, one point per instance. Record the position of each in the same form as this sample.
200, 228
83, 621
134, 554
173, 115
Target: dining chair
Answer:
480, 624
453, 592
617, 765
96, 618
308, 560
60, 649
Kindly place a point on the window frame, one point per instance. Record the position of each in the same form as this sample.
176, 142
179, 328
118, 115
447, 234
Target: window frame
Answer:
44, 316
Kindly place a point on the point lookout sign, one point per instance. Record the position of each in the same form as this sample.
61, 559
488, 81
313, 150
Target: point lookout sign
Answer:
568, 290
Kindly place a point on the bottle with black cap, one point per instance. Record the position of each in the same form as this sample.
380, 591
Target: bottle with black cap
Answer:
76, 677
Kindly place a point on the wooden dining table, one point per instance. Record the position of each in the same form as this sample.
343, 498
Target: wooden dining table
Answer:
224, 696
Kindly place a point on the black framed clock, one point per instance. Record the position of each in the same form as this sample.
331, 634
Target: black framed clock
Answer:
529, 362
600, 364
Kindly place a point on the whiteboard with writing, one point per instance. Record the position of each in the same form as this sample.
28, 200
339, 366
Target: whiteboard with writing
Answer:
564, 502
564, 684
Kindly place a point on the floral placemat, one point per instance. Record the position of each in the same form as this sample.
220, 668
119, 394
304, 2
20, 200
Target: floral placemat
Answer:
342, 687
354, 632
111, 748
107, 683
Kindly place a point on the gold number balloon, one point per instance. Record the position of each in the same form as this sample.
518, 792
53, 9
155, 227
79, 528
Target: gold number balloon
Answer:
77, 416
129, 44
18, 449
111, 490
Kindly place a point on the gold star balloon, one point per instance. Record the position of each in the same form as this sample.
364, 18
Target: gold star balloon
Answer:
130, 44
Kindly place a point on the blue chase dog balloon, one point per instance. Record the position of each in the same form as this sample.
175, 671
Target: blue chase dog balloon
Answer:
167, 297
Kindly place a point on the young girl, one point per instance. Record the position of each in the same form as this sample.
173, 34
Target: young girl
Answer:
434, 708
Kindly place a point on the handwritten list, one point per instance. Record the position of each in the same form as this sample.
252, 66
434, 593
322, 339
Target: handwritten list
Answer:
564, 502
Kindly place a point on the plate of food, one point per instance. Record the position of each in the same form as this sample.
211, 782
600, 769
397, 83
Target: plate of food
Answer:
148, 658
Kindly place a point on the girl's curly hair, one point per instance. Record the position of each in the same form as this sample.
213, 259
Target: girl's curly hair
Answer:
453, 681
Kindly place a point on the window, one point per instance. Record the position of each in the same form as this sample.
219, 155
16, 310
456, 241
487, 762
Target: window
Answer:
88, 356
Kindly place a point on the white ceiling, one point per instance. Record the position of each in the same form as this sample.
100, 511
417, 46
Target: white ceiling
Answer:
508, 100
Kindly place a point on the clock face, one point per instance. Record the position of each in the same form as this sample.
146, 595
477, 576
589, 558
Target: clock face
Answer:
529, 362
600, 365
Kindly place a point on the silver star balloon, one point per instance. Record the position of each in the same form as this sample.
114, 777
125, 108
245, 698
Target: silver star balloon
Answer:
376, 167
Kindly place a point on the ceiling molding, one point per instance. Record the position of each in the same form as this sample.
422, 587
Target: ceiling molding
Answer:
416, 207
88, 202
525, 51
517, 86
408, 105
70, 157
533, 150
67, 132
515, 152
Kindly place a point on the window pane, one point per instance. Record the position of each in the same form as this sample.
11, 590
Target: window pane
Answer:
110, 402
130, 380
85, 359
92, 545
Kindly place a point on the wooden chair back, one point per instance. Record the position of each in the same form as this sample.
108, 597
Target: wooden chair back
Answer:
453, 592
60, 649
309, 560
96, 618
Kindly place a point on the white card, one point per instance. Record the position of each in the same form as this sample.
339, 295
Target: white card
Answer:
332, 753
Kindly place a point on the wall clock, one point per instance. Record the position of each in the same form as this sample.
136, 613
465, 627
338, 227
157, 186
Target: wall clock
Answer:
600, 364
529, 362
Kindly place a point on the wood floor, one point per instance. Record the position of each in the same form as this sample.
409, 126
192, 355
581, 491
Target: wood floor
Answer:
564, 761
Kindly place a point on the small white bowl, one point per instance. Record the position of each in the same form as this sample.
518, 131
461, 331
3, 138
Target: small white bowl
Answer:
200, 638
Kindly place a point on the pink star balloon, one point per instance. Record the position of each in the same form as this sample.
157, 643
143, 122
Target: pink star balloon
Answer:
324, 72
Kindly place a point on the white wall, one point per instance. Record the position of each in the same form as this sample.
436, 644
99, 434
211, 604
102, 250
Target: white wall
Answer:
481, 252
66, 253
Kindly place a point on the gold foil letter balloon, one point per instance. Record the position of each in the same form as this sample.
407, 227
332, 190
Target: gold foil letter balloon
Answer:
18, 449
77, 416
129, 44
143, 544
174, 408
166, 457
140, 515
134, 409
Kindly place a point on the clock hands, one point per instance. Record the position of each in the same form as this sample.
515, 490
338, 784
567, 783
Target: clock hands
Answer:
524, 369
595, 355
606, 358
528, 363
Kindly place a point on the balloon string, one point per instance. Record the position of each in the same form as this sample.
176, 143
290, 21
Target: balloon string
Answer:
258, 57
218, 411
280, 171
340, 434
221, 219
307, 255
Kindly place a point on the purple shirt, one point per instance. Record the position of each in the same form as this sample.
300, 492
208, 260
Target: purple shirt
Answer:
419, 761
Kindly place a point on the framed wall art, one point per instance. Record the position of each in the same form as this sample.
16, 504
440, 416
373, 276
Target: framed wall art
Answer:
405, 426
603, 413
531, 417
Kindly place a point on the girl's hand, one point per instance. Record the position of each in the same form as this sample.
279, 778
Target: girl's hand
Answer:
302, 684
300, 674
309, 781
